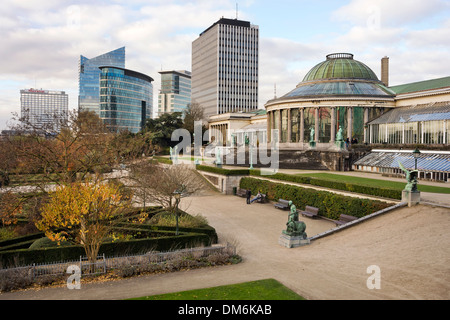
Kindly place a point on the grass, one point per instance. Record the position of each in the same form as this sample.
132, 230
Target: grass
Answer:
268, 289
375, 182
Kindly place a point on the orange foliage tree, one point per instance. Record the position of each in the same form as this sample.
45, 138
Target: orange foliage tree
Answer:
84, 214
10, 208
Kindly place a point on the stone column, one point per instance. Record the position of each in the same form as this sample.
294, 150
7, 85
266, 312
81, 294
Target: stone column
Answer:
333, 125
280, 134
289, 127
269, 126
366, 128
316, 125
349, 123
302, 125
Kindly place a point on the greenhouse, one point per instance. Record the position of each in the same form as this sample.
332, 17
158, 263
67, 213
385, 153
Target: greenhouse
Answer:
432, 165
339, 93
421, 124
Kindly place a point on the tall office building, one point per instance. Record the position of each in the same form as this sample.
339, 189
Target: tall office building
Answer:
44, 109
126, 99
89, 77
225, 67
175, 94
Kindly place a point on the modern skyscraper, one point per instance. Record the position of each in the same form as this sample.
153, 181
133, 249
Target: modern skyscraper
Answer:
89, 77
225, 67
44, 109
175, 92
126, 99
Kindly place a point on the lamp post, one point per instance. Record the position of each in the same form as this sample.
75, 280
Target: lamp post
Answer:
416, 154
177, 196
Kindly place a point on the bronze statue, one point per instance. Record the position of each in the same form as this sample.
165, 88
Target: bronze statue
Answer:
411, 178
295, 228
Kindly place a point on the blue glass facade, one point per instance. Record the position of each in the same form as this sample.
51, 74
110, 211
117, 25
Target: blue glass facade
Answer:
89, 77
175, 92
126, 99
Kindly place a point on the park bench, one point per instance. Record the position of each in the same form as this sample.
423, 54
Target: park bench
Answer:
282, 204
311, 212
241, 193
343, 219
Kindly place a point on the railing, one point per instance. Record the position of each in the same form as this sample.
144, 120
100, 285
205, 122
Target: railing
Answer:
104, 264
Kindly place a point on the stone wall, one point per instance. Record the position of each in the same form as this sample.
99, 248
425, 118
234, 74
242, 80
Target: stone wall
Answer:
222, 183
312, 159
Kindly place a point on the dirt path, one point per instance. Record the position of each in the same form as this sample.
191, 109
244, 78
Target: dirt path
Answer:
411, 246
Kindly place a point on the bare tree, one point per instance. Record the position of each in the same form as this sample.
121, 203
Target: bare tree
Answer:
193, 113
158, 183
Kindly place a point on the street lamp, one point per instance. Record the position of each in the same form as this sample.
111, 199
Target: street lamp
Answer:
416, 154
177, 196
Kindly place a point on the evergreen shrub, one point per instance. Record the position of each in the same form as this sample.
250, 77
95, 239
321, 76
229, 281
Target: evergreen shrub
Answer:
330, 205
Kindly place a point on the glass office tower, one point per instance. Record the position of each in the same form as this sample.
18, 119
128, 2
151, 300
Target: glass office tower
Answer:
175, 92
126, 99
89, 77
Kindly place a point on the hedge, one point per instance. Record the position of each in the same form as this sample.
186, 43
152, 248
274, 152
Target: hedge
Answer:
72, 253
330, 205
17, 251
19, 241
357, 188
222, 171
374, 191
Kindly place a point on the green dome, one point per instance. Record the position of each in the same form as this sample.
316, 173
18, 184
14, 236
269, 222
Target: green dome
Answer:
340, 66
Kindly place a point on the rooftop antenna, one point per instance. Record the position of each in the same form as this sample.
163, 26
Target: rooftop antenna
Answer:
275, 90
237, 10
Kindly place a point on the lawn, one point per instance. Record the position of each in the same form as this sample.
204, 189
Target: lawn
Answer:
268, 289
374, 182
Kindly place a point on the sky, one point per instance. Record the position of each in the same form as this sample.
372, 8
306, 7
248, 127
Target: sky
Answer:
41, 42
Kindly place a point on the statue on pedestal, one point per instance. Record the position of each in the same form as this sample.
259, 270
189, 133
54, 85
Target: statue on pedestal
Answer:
312, 137
411, 178
295, 228
340, 139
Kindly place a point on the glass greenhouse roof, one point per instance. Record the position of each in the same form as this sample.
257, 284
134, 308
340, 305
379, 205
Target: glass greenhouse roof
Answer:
437, 162
340, 66
426, 112
345, 88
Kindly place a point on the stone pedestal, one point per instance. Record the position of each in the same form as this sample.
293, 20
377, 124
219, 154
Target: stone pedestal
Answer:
292, 241
411, 197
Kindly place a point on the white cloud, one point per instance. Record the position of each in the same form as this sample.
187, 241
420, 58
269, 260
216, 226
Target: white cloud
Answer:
41, 44
388, 13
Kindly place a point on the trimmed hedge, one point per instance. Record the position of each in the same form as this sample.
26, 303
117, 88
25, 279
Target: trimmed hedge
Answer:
357, 188
20, 242
225, 172
330, 205
161, 238
73, 253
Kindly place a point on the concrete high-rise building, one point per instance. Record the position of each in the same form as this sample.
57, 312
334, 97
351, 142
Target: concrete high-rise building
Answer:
44, 109
89, 78
175, 94
225, 67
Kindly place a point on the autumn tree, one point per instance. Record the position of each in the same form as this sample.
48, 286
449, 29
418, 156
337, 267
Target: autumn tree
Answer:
8, 162
83, 213
79, 147
10, 208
